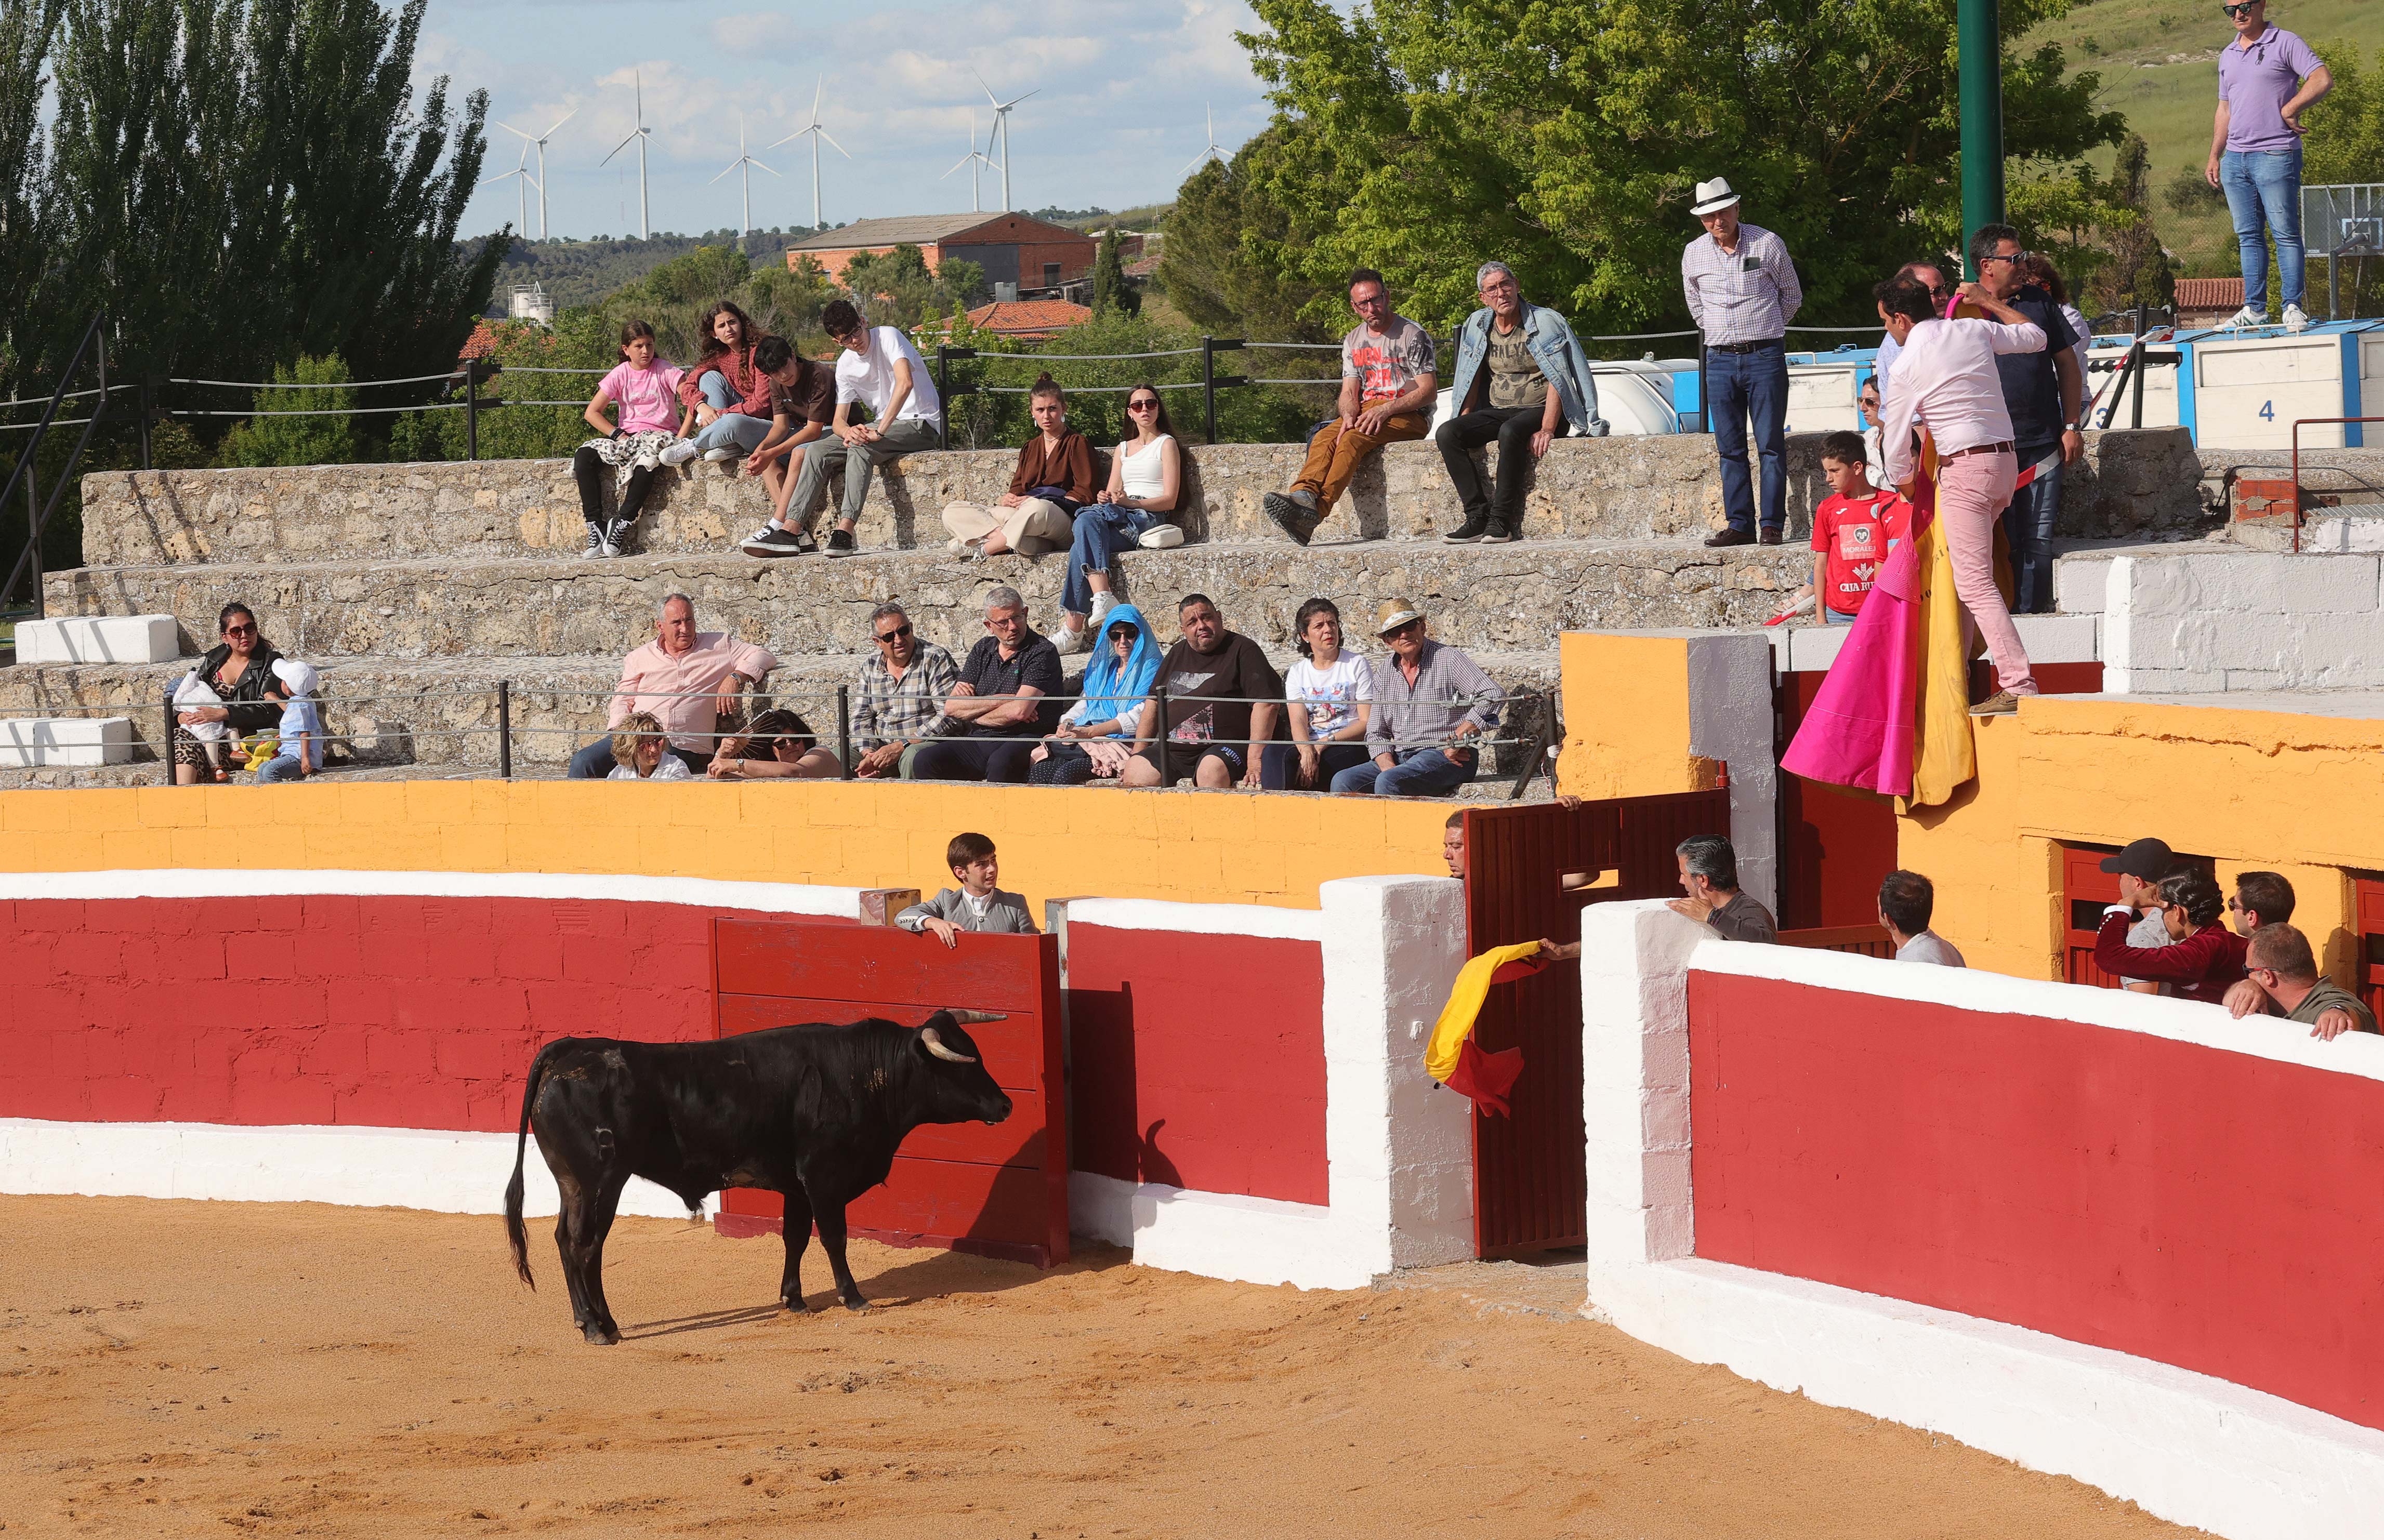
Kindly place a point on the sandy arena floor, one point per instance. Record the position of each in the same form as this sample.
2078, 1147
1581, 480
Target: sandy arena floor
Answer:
179, 1369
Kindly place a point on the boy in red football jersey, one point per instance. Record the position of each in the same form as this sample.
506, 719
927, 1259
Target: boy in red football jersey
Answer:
1853, 530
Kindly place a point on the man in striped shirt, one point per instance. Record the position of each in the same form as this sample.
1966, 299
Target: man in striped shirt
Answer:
1742, 292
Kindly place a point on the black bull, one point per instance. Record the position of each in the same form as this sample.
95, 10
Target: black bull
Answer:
814, 1111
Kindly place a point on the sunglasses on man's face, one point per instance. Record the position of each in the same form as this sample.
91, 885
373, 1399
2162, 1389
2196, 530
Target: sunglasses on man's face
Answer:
896, 634
2234, 11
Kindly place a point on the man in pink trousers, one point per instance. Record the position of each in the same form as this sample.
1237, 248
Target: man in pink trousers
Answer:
1945, 380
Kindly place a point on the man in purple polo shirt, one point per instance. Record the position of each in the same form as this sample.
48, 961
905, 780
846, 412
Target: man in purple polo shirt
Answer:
2265, 77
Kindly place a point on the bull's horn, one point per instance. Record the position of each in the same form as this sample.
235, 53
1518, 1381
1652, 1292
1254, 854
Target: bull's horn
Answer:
970, 1018
935, 1046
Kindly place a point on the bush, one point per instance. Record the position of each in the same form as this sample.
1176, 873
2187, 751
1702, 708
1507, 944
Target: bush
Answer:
278, 434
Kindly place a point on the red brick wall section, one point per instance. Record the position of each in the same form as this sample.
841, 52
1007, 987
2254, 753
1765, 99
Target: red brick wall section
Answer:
1198, 1060
409, 1012
2207, 1209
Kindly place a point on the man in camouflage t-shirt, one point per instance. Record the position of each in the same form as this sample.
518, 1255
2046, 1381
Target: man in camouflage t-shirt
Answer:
1388, 386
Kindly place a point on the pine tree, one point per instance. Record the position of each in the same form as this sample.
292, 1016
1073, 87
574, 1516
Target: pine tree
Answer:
1111, 290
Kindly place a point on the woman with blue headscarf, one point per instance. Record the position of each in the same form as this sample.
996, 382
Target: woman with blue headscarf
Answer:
1096, 735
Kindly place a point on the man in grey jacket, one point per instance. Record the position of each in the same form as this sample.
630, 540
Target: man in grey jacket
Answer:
1431, 706
978, 904
1522, 380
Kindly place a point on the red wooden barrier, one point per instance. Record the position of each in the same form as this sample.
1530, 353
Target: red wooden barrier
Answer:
998, 1192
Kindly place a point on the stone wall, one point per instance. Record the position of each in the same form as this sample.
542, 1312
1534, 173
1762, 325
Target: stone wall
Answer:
2132, 483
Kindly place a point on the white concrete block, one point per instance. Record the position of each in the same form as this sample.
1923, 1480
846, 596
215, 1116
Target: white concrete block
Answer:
2331, 585
2079, 584
99, 639
2059, 638
28, 742
1812, 649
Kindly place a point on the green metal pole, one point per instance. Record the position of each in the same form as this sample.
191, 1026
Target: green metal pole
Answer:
1982, 118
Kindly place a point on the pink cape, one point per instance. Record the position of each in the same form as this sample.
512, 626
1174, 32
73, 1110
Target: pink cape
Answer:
1860, 731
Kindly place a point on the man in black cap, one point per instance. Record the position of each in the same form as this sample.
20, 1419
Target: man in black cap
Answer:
2140, 868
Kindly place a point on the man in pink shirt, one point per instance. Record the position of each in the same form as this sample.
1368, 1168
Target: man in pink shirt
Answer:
686, 678
1945, 378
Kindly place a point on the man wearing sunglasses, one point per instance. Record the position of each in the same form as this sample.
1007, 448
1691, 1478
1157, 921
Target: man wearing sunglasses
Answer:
904, 688
2044, 394
2265, 77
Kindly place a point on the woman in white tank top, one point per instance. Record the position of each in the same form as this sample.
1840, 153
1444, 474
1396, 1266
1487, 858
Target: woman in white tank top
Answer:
1145, 479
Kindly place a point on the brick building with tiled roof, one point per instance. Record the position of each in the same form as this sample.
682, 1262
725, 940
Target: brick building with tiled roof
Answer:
1027, 320
1011, 247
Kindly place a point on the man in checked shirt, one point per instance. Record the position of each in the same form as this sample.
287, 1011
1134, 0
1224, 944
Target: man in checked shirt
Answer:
1742, 292
904, 688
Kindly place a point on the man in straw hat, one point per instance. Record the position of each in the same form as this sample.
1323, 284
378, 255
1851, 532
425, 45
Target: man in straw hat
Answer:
1742, 292
1433, 705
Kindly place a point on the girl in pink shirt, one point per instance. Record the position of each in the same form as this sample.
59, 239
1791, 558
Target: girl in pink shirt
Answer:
642, 391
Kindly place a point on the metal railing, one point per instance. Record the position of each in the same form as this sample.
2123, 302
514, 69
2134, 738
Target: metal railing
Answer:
38, 511
502, 698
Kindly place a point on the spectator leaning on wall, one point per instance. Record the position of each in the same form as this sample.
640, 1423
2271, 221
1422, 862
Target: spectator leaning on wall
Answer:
2261, 898
2139, 870
978, 904
1906, 900
2204, 956
2283, 981
1709, 876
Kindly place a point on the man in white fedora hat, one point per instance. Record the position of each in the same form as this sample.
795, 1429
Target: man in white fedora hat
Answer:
1742, 292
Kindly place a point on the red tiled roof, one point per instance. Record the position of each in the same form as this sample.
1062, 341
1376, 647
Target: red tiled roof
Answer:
1143, 267
481, 344
1028, 318
2209, 293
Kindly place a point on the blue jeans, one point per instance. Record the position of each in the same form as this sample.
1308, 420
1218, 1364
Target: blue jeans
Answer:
1420, 772
1831, 617
718, 394
2027, 525
1102, 530
732, 430
1742, 384
2264, 196
283, 767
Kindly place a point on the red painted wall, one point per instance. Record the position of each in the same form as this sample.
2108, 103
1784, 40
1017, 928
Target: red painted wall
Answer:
1198, 1061
2209, 1210
413, 1013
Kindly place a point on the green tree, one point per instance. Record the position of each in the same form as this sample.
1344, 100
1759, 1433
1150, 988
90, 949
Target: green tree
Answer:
2346, 144
1234, 256
584, 340
1111, 290
2136, 269
895, 288
302, 425
28, 217
1564, 136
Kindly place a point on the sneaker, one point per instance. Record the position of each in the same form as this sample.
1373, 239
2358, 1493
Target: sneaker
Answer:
1468, 532
595, 541
1288, 516
2295, 320
840, 543
777, 542
714, 457
2247, 317
1103, 602
1068, 639
679, 454
1495, 533
2002, 703
616, 537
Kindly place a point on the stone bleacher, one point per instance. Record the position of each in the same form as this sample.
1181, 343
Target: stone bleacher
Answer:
421, 586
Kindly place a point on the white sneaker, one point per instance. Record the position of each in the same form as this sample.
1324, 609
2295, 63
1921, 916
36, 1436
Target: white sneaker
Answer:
1072, 639
679, 454
1103, 602
2294, 319
714, 457
2246, 316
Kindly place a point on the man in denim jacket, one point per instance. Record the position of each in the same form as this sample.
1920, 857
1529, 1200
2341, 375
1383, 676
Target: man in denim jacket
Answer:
1522, 380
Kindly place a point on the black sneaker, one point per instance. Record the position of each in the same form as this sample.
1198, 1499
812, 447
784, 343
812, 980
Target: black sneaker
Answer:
1473, 529
1288, 516
1494, 534
776, 542
616, 537
839, 543
595, 541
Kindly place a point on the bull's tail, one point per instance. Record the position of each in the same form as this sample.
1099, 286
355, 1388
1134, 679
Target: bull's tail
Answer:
514, 1231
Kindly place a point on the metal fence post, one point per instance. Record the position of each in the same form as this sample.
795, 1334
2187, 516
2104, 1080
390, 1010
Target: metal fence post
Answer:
165, 744
471, 409
844, 729
943, 396
34, 538
148, 411
1159, 736
1209, 383
505, 729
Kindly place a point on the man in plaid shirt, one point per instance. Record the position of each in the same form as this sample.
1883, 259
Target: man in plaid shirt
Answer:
903, 693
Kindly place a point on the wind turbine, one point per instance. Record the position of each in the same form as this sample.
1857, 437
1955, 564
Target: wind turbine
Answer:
818, 133
1212, 150
744, 163
1001, 127
521, 217
641, 134
976, 199
541, 142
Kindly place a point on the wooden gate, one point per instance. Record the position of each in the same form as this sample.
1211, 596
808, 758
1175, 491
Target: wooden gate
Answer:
1530, 1189
999, 1190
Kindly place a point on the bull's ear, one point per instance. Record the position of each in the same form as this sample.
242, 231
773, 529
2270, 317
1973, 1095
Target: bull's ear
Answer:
931, 1039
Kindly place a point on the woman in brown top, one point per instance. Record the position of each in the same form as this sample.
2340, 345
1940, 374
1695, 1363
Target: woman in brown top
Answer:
1054, 478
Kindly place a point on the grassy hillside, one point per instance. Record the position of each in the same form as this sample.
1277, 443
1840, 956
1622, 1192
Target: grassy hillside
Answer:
582, 272
2159, 64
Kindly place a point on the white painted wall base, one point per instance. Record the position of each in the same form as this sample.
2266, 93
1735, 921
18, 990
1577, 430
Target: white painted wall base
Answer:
99, 639
404, 1168
2211, 622
28, 742
1218, 1235
2187, 1447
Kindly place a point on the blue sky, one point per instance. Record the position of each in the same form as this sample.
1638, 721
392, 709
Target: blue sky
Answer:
1124, 88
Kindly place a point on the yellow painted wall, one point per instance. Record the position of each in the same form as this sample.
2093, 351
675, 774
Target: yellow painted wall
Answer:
2302, 795
1626, 718
1055, 841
